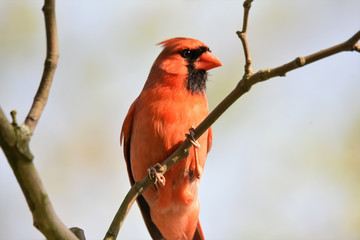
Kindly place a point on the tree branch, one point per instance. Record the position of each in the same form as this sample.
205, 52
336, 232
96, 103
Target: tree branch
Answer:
350, 45
14, 140
15, 144
243, 37
50, 64
243, 86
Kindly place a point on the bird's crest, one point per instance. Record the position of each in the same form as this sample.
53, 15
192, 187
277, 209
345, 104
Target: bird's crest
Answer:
181, 43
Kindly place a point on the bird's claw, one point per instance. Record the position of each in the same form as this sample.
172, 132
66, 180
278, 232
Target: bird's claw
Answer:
155, 174
195, 166
191, 137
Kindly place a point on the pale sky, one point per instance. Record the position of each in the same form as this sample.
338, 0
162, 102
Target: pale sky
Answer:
285, 162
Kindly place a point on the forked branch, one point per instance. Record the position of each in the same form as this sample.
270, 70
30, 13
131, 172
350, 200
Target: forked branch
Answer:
14, 140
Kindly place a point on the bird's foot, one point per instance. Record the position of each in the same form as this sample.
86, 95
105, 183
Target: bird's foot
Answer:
155, 174
195, 167
191, 137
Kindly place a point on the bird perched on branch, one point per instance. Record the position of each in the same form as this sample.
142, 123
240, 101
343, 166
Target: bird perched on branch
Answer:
171, 102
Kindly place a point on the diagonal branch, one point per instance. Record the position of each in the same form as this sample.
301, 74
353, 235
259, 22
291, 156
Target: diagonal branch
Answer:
50, 64
243, 86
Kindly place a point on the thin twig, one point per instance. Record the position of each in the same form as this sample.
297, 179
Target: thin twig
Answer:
50, 64
262, 75
243, 37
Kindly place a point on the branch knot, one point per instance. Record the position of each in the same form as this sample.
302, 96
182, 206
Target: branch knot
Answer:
300, 61
247, 3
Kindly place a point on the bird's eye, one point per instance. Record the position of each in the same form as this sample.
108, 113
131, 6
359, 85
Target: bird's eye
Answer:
186, 53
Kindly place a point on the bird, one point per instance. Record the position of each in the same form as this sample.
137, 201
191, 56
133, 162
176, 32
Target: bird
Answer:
171, 102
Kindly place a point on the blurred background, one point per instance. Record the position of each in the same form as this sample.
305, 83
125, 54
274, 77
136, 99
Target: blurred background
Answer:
285, 162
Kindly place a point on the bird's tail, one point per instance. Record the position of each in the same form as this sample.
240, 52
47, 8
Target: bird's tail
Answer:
199, 235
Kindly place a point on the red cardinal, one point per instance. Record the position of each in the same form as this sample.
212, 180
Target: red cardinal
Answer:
172, 101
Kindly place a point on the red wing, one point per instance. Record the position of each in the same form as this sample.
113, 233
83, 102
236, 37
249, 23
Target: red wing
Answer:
125, 137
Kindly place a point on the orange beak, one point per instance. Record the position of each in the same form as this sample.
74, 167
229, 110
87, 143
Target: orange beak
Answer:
207, 61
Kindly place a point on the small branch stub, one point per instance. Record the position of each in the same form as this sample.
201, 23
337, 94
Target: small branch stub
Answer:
356, 47
13, 114
300, 61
